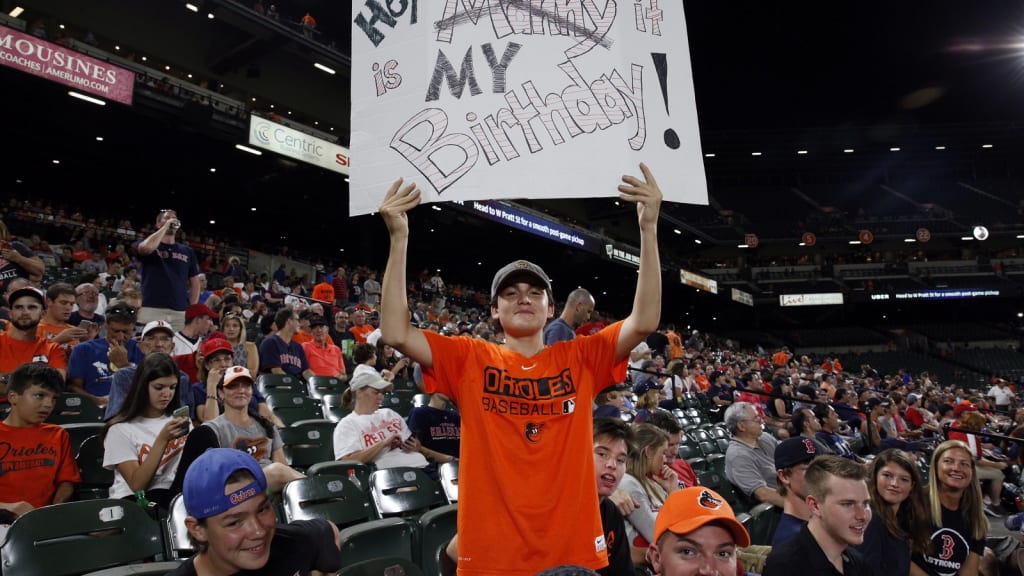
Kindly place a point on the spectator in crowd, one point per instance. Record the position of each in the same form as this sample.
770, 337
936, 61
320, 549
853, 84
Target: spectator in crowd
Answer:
612, 437
199, 321
308, 25
324, 357
17, 260
232, 524
39, 466
648, 390
340, 285
92, 364
245, 352
829, 433
521, 302
900, 518
840, 505
792, 457
279, 353
240, 427
648, 481
392, 365
204, 291
750, 457
438, 428
19, 344
958, 522
1001, 394
371, 290
371, 434
157, 338
360, 329
142, 443
87, 300
696, 533
667, 422
170, 273
611, 402
988, 467
60, 303
578, 307
806, 425
323, 290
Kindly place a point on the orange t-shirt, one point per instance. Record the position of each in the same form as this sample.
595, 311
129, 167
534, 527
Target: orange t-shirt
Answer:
14, 353
36, 460
526, 472
361, 332
302, 337
323, 292
50, 331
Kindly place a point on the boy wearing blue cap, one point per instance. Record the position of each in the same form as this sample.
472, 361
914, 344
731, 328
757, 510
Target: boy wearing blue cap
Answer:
232, 524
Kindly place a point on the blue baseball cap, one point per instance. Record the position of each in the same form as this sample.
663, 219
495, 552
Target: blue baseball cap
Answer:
203, 489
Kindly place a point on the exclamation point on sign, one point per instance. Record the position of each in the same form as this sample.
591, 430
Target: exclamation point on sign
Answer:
661, 65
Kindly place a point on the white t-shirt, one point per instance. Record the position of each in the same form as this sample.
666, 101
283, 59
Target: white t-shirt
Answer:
132, 441
357, 432
1003, 396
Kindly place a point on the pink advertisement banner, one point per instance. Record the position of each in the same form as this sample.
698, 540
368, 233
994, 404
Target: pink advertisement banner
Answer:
54, 62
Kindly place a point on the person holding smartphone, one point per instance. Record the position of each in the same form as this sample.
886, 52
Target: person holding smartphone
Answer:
649, 481
142, 444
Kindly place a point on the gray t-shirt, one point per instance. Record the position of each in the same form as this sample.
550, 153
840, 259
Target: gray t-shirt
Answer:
751, 468
251, 439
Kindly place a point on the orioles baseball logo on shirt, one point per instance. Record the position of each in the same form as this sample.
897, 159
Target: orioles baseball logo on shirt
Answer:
533, 432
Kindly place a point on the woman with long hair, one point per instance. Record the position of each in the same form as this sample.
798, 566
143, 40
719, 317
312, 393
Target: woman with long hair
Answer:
900, 519
142, 443
245, 352
958, 517
391, 365
780, 401
649, 481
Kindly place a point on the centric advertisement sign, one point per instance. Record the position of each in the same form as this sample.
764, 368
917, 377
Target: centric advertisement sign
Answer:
269, 135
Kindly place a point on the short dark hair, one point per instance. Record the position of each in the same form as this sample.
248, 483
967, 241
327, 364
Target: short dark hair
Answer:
614, 428
363, 352
58, 289
665, 421
30, 373
282, 317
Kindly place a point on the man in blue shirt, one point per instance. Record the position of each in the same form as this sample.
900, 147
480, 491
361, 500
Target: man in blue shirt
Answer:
279, 354
92, 364
170, 273
578, 307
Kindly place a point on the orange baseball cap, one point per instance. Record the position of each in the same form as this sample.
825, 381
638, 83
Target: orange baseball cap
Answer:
690, 508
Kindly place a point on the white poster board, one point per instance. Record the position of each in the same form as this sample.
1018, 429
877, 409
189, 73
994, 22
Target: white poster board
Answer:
500, 99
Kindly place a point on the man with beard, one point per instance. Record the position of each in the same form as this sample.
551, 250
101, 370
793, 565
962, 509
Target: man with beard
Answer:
20, 344
88, 300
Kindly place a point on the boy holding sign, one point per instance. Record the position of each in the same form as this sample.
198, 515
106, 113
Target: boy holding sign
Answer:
526, 468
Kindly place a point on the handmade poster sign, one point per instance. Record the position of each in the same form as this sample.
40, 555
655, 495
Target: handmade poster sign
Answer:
499, 99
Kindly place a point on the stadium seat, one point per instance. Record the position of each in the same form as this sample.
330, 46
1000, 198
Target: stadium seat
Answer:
307, 442
96, 480
285, 397
332, 408
74, 408
375, 539
388, 566
320, 385
341, 468
299, 409
449, 474
267, 382
326, 496
398, 402
403, 491
436, 528
79, 537
178, 544
78, 432
764, 519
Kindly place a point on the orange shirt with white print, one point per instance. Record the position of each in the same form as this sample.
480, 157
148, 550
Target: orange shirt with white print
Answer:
528, 499
14, 353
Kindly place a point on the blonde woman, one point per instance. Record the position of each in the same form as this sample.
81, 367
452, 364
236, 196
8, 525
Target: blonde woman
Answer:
958, 517
648, 480
245, 352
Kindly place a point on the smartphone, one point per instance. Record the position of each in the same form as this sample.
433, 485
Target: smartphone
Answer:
86, 324
182, 412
